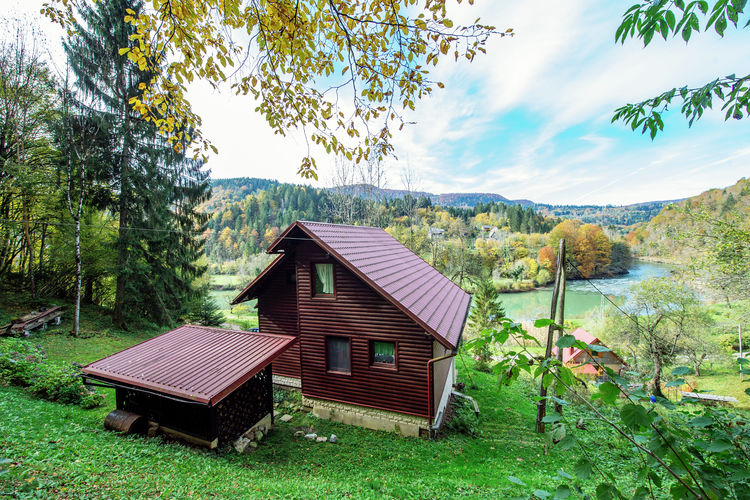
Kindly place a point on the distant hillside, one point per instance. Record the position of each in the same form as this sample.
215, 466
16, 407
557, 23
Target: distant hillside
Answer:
608, 215
458, 200
228, 191
657, 237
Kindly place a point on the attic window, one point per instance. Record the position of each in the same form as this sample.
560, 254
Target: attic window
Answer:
323, 279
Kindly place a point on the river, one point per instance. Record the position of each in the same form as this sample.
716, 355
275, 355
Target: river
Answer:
580, 297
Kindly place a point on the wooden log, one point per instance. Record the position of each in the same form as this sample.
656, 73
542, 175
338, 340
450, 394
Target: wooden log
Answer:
125, 422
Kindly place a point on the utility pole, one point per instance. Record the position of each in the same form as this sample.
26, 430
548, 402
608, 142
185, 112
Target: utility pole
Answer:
541, 406
561, 314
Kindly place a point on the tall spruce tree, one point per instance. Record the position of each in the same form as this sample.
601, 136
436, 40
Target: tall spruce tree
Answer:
157, 189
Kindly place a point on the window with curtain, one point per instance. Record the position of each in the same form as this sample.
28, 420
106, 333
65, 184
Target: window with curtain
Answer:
338, 354
323, 279
383, 353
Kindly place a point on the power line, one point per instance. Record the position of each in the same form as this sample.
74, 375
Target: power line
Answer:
634, 320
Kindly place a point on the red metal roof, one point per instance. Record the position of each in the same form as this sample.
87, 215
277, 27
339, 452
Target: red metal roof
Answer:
193, 362
570, 353
398, 274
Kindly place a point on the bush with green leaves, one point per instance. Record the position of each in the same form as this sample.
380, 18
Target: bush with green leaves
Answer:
24, 364
463, 419
686, 450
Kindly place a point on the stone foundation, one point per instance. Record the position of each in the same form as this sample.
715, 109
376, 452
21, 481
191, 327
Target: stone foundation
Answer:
370, 418
290, 382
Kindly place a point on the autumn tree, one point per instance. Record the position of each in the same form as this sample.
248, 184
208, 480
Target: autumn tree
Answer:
546, 258
592, 250
343, 72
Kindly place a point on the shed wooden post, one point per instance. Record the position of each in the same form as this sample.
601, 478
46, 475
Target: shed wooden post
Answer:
541, 406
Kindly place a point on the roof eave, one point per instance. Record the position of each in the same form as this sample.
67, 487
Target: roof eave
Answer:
242, 296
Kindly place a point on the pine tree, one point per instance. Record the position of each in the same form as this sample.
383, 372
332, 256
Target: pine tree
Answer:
157, 190
486, 312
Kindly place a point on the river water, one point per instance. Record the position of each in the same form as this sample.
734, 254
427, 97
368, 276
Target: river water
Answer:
581, 296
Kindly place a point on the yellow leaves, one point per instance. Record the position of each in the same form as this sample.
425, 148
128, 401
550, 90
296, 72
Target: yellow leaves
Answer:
299, 49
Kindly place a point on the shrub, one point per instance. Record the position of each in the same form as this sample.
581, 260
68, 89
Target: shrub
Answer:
26, 365
463, 419
18, 359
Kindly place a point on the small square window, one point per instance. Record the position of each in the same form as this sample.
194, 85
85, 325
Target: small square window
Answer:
383, 353
338, 355
323, 279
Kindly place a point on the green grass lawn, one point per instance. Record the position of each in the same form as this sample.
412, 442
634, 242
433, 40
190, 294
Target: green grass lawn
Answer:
63, 451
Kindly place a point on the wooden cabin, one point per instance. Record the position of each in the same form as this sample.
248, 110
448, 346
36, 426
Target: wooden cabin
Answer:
582, 360
378, 327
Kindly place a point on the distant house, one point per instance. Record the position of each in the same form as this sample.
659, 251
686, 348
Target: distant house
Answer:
377, 327
435, 233
587, 362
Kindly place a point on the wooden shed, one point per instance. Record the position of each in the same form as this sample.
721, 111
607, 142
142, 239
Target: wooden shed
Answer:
206, 385
378, 327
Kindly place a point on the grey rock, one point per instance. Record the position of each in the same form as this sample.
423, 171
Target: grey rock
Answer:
312, 435
299, 434
241, 444
334, 438
286, 418
321, 439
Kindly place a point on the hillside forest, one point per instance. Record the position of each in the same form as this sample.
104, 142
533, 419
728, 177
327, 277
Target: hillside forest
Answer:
511, 245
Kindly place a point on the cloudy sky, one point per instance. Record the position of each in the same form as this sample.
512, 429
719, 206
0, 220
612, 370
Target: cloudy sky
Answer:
531, 119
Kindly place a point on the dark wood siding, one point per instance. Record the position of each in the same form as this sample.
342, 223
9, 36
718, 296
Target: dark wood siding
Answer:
362, 314
277, 313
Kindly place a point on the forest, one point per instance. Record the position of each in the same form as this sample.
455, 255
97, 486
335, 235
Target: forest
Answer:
96, 206
511, 245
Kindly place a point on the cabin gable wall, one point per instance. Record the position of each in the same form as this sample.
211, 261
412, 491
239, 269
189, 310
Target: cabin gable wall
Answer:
277, 313
359, 313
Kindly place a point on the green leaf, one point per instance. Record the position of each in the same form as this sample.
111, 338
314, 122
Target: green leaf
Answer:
641, 493
551, 418
567, 442
635, 416
562, 491
582, 469
565, 341
564, 474
542, 322
608, 392
701, 421
719, 445
597, 348
669, 16
515, 480
675, 383
747, 391
606, 491
681, 370
542, 494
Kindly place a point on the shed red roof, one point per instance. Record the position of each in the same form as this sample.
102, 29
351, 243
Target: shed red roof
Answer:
570, 353
398, 274
192, 362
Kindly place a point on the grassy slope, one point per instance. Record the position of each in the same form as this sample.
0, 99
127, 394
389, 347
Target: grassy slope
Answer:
64, 451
